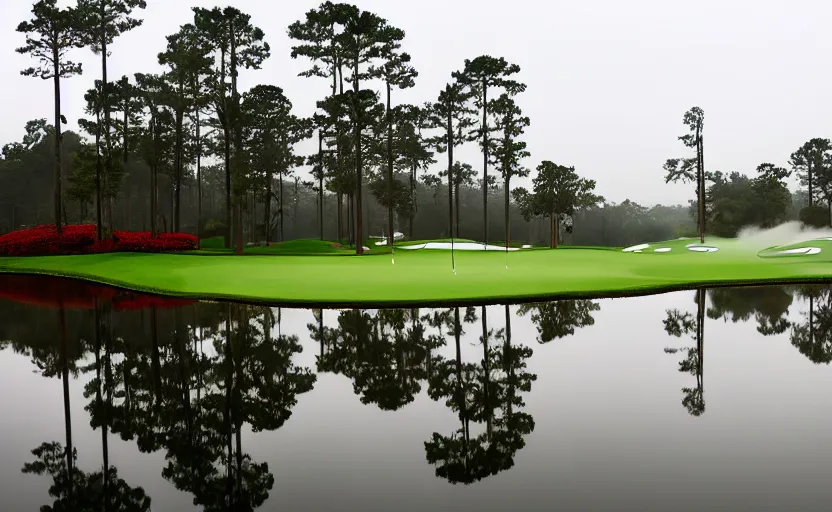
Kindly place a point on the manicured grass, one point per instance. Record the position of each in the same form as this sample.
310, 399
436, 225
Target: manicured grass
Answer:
291, 247
426, 276
215, 242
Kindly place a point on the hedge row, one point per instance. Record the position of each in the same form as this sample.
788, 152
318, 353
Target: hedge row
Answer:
80, 239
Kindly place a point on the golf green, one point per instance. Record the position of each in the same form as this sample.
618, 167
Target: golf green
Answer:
425, 276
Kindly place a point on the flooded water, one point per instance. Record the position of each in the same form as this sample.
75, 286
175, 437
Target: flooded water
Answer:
699, 400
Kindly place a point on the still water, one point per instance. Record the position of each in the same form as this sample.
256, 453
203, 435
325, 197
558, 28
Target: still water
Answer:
699, 400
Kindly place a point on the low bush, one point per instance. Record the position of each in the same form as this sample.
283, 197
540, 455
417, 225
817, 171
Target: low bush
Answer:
80, 239
815, 216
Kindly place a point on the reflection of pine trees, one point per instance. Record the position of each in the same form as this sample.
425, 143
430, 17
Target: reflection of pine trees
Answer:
678, 324
486, 392
191, 386
53, 340
88, 492
382, 352
769, 305
72, 488
813, 337
560, 318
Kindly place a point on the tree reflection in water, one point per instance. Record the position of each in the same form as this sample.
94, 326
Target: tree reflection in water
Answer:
813, 336
187, 379
677, 324
486, 392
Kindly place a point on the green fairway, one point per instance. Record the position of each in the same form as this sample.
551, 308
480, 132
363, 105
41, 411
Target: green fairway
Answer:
292, 247
425, 276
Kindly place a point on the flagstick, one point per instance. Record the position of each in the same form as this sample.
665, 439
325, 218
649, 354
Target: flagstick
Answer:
453, 262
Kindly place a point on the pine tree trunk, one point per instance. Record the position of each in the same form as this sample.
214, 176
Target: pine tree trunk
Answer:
359, 218
108, 162
413, 202
268, 207
484, 162
57, 84
99, 235
352, 218
340, 220
239, 226
456, 207
227, 152
390, 236
280, 209
154, 194
700, 177
507, 206
320, 184
450, 128
125, 151
178, 163
198, 183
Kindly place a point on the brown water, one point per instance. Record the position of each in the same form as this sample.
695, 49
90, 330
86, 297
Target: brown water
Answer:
578, 405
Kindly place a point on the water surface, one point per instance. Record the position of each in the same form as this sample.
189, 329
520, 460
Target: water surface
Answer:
698, 400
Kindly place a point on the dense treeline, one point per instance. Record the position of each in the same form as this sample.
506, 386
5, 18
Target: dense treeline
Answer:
185, 149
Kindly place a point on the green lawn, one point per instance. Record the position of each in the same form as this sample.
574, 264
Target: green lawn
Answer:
425, 276
215, 247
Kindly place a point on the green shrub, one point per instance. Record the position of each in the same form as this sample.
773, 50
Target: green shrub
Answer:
815, 216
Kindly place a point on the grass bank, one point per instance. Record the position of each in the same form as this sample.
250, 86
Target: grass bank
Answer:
426, 276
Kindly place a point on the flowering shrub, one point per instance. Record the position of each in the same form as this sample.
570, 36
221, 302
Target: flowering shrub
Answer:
80, 239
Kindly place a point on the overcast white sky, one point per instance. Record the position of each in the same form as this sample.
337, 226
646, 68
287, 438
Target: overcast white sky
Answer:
608, 80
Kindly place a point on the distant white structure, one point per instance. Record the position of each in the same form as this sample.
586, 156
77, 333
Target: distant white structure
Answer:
382, 240
459, 246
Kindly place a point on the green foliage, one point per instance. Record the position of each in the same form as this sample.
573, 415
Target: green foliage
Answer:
736, 201
452, 113
315, 36
815, 216
463, 175
50, 34
104, 20
271, 131
488, 71
811, 163
82, 181
505, 150
558, 192
691, 170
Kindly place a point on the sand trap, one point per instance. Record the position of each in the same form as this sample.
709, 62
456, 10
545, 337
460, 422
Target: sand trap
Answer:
636, 248
662, 249
527, 246
800, 251
701, 248
459, 246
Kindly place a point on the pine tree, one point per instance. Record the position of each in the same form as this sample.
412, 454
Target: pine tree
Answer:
102, 22
50, 34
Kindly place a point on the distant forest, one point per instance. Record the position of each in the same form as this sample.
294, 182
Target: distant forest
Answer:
185, 150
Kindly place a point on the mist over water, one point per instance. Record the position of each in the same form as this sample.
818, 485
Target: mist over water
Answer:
787, 233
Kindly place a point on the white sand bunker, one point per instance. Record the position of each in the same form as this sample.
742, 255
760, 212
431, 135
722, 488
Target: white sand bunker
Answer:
800, 251
459, 246
636, 248
701, 248
662, 249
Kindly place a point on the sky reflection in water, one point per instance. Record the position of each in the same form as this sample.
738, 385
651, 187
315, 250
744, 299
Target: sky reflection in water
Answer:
690, 400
